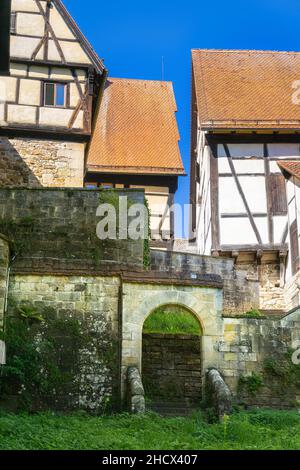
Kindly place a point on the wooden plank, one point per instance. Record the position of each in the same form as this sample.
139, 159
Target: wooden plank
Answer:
56, 42
253, 138
255, 247
241, 192
237, 215
83, 100
294, 247
214, 197
268, 194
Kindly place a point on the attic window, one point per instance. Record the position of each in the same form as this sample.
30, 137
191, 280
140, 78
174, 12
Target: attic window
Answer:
13, 22
55, 95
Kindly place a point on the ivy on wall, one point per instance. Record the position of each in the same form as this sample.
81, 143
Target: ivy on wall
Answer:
56, 363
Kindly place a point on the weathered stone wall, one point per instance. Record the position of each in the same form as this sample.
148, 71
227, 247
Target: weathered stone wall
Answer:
26, 162
4, 261
55, 230
292, 292
240, 293
248, 346
267, 274
94, 303
171, 367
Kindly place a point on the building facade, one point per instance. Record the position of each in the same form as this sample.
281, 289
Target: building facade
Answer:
48, 100
244, 122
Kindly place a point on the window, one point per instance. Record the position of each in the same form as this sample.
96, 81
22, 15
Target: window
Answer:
55, 95
13, 22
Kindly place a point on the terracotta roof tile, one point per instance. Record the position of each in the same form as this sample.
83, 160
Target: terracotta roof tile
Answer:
136, 129
246, 89
291, 166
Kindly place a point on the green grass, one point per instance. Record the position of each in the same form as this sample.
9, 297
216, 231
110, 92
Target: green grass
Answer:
172, 320
246, 430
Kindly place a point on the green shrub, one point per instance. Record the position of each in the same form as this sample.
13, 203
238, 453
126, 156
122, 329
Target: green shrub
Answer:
253, 313
172, 320
252, 384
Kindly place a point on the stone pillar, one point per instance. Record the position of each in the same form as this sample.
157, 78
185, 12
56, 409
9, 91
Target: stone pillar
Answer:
4, 262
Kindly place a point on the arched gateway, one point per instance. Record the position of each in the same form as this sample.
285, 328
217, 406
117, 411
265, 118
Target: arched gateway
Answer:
141, 299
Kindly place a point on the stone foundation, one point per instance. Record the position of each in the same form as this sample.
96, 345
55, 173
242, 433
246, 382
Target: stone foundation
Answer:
36, 163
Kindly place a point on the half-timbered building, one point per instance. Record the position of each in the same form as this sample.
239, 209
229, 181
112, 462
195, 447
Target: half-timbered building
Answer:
49, 98
245, 118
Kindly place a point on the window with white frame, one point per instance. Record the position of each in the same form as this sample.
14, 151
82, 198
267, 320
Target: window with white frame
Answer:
55, 94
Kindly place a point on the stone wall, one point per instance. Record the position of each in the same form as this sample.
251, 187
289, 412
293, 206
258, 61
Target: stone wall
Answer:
240, 293
254, 358
54, 230
4, 260
267, 274
171, 367
93, 302
27, 162
292, 292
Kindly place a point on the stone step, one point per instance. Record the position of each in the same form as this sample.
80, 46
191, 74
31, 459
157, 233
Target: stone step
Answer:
172, 408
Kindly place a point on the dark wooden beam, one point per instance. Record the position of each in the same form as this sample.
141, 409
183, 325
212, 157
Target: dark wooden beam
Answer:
5, 12
248, 138
214, 195
46, 133
254, 247
269, 195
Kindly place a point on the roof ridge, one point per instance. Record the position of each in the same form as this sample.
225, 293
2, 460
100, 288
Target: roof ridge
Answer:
235, 51
147, 80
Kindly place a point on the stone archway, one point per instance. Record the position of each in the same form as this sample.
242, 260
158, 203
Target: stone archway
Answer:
140, 299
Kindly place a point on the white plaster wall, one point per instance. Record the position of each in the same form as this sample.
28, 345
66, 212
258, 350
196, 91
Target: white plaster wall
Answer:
238, 231
284, 150
204, 238
242, 150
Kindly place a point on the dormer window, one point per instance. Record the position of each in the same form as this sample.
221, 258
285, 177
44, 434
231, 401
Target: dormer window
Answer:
55, 95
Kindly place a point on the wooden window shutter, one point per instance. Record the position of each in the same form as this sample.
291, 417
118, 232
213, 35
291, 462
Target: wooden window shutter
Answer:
294, 240
277, 195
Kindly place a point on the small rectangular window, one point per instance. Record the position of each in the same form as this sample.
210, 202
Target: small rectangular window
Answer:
13, 22
55, 95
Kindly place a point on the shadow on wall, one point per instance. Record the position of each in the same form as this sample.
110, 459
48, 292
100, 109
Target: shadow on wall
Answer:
14, 172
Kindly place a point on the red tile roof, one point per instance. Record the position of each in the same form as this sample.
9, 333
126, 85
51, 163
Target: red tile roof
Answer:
136, 129
291, 166
246, 89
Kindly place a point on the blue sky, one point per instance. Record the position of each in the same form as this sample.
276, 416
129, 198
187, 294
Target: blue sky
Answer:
133, 35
